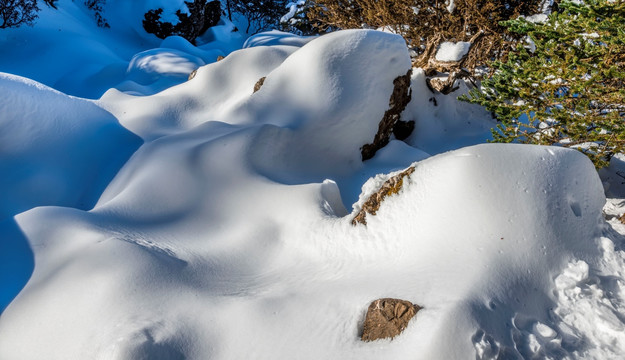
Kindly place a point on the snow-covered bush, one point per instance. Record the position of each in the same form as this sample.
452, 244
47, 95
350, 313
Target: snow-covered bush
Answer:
296, 20
566, 84
193, 21
14, 13
260, 14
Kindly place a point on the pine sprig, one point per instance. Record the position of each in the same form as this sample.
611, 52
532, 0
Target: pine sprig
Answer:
566, 85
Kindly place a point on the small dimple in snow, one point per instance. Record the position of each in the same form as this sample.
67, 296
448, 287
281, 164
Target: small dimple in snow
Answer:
576, 208
544, 330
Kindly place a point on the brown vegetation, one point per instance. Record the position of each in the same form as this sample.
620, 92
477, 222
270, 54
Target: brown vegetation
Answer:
425, 24
373, 203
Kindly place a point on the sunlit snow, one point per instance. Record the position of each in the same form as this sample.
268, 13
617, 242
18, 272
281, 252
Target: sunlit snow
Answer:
162, 217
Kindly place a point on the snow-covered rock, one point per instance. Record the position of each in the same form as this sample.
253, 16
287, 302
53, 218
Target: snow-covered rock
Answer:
452, 51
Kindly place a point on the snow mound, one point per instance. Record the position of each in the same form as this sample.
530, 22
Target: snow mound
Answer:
54, 150
268, 262
450, 51
167, 67
275, 37
211, 95
325, 101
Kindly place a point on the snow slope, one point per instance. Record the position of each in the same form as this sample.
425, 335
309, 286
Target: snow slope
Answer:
54, 150
227, 234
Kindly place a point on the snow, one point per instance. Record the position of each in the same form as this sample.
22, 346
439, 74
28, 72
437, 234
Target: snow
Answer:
450, 51
451, 5
292, 6
536, 18
275, 37
174, 218
66, 50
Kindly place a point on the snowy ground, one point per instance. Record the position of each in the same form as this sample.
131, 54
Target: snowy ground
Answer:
175, 219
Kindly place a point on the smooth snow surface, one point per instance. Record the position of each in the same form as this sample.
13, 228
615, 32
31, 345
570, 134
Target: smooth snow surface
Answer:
207, 221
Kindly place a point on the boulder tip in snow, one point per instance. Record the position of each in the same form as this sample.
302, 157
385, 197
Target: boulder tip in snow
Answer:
387, 318
259, 83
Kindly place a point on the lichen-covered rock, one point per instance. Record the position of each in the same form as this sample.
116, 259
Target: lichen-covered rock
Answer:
390, 187
387, 318
402, 93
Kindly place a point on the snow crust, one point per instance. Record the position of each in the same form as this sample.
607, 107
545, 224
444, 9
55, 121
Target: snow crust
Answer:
199, 219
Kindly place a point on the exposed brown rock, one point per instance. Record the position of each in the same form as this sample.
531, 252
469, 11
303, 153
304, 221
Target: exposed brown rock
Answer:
447, 85
192, 75
622, 219
259, 83
455, 69
220, 57
390, 187
387, 318
402, 93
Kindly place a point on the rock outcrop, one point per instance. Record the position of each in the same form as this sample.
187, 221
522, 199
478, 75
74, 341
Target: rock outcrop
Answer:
402, 93
387, 318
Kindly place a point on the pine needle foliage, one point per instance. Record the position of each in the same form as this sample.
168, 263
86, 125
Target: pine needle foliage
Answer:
566, 86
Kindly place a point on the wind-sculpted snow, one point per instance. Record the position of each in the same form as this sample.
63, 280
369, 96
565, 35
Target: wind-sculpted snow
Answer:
54, 150
226, 235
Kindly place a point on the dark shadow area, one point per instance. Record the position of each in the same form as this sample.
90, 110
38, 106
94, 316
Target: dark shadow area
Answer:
16, 262
613, 177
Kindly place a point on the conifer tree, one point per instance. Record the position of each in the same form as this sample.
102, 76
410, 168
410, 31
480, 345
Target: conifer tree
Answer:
566, 85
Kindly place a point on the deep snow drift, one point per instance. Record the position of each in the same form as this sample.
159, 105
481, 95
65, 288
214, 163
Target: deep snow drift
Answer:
228, 233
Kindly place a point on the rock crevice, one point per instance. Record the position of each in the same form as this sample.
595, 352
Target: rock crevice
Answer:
391, 123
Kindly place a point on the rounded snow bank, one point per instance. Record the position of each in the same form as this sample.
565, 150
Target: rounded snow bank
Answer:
275, 37
325, 102
490, 226
55, 149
